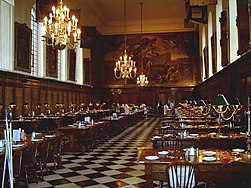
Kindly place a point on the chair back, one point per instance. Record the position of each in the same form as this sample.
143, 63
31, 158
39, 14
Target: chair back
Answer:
57, 148
43, 152
17, 162
172, 143
181, 174
29, 156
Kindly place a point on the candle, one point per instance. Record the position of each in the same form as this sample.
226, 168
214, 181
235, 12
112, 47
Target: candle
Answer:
65, 10
53, 10
74, 36
52, 37
76, 22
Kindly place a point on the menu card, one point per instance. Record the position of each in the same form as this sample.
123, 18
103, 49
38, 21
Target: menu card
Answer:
16, 135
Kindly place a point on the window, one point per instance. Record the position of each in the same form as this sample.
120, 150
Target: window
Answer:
59, 64
34, 43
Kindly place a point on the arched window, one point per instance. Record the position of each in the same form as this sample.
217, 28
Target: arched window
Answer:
233, 31
203, 45
210, 34
59, 63
34, 42
218, 34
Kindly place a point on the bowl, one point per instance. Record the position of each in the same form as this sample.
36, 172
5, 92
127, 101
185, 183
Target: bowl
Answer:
209, 153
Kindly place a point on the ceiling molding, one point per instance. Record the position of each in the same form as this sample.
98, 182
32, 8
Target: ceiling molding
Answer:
149, 26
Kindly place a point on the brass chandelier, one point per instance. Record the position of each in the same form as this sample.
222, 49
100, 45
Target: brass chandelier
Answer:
125, 66
142, 79
59, 30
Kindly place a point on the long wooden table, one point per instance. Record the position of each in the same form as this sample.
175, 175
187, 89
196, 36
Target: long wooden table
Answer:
72, 134
116, 125
201, 128
221, 141
155, 170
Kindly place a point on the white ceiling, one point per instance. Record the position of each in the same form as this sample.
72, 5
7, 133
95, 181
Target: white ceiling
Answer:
108, 15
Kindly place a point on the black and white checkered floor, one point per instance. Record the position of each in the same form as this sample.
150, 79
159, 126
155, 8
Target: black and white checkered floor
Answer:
113, 164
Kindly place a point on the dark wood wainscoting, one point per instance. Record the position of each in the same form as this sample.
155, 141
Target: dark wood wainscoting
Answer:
22, 89
233, 81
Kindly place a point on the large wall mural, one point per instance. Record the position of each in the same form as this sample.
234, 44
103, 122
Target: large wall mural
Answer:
168, 59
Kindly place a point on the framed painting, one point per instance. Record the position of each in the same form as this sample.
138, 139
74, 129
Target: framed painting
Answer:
43, 8
72, 64
22, 47
87, 71
205, 56
51, 61
213, 50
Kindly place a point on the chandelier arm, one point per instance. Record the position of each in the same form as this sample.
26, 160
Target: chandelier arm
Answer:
115, 74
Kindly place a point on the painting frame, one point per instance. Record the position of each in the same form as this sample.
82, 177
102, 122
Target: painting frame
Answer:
22, 54
72, 65
51, 61
205, 56
213, 50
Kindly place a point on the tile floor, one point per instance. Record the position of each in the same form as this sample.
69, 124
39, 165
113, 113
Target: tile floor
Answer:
113, 164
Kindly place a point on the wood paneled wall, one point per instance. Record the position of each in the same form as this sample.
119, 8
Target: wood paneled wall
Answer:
20, 89
233, 81
150, 95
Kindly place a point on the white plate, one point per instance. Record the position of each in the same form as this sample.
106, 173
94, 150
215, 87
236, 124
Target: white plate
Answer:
189, 136
151, 157
209, 159
49, 136
242, 133
36, 140
163, 152
209, 153
194, 134
223, 136
238, 150
17, 145
157, 137
168, 135
213, 133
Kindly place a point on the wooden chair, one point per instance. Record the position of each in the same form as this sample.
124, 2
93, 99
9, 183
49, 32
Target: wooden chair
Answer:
17, 162
42, 156
171, 142
55, 151
181, 174
103, 133
29, 163
87, 139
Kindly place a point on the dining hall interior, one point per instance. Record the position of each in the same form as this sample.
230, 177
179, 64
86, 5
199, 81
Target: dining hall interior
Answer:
125, 93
